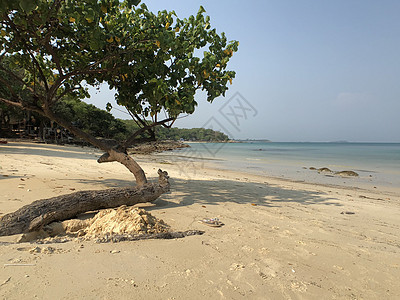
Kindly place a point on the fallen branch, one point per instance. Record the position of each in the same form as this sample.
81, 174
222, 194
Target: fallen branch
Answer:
39, 213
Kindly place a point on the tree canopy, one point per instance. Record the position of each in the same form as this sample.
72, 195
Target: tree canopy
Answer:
91, 119
51, 49
150, 59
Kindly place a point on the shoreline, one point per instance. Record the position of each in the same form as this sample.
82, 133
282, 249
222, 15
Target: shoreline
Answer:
206, 165
282, 239
366, 180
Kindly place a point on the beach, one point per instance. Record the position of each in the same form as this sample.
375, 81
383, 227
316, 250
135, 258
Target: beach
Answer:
281, 238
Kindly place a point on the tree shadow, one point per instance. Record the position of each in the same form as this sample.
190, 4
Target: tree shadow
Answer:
107, 183
48, 151
5, 176
214, 192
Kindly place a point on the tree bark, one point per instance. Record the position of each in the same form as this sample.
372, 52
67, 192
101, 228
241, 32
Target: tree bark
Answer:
111, 153
42, 212
127, 161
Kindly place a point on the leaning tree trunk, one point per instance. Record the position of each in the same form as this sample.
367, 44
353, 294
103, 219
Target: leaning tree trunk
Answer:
42, 212
112, 153
127, 161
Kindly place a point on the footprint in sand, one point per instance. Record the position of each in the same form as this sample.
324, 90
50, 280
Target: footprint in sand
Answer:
247, 249
298, 286
236, 267
263, 251
267, 269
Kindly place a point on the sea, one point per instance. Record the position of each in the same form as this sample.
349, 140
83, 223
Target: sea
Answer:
378, 164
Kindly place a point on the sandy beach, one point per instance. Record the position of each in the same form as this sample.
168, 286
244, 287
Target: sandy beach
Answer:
281, 239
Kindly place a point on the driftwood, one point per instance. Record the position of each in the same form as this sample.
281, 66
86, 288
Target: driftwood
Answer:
39, 213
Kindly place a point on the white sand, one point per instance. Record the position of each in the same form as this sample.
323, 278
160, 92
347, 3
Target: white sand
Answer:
281, 239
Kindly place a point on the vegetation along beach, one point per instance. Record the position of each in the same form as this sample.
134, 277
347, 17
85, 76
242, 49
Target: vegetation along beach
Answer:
144, 154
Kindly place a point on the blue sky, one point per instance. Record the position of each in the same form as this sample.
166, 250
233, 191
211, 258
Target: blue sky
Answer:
311, 70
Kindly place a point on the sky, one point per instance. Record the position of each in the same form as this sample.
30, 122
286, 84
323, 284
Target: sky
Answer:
306, 70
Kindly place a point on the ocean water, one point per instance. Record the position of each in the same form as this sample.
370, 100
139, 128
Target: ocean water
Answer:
376, 163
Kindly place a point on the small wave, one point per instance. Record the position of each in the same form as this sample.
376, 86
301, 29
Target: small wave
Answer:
366, 171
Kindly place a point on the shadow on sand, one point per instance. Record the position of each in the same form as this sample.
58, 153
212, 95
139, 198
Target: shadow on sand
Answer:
48, 150
214, 192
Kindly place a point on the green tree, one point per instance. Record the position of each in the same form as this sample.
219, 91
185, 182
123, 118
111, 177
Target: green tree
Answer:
174, 133
91, 119
153, 60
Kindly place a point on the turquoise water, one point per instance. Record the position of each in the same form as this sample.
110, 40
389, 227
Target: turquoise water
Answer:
376, 163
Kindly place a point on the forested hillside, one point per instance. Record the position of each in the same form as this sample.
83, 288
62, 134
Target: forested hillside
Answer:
99, 123
186, 134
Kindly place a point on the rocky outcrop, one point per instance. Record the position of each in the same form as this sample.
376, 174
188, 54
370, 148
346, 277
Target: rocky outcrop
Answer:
347, 173
324, 170
329, 172
157, 146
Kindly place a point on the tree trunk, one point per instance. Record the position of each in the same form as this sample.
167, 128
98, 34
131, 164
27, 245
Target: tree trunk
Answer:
127, 161
42, 212
112, 154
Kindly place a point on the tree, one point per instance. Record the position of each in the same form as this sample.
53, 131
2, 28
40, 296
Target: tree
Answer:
91, 119
176, 134
56, 48
8, 112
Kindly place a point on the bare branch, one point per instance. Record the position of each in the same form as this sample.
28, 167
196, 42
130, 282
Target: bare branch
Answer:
77, 131
56, 99
46, 85
133, 139
170, 125
53, 53
133, 118
16, 77
140, 120
22, 105
9, 87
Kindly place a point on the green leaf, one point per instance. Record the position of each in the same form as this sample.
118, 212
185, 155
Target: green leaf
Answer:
27, 5
94, 44
109, 107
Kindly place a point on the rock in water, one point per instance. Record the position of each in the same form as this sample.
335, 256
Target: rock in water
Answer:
324, 170
156, 146
347, 173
